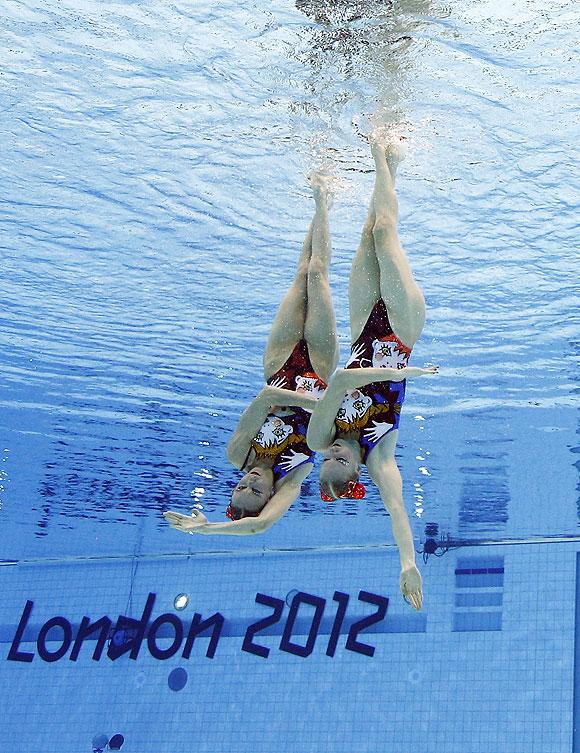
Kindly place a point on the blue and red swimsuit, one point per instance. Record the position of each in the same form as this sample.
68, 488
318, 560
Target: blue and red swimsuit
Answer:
282, 438
375, 409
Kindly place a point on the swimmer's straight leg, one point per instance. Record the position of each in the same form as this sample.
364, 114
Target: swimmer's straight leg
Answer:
364, 288
320, 325
288, 325
401, 294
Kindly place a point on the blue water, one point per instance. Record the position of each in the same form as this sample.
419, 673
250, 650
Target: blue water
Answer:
152, 205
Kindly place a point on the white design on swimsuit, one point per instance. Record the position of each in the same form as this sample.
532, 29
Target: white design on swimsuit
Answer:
377, 430
354, 406
386, 354
273, 432
308, 385
355, 356
292, 459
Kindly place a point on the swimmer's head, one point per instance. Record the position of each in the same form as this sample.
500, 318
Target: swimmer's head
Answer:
340, 471
251, 493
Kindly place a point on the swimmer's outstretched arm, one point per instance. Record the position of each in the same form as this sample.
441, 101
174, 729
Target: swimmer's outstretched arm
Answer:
350, 379
254, 416
274, 510
321, 430
386, 475
196, 521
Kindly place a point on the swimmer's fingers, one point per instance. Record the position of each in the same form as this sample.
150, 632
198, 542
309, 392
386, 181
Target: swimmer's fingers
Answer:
293, 460
185, 522
417, 600
414, 600
431, 370
411, 587
175, 519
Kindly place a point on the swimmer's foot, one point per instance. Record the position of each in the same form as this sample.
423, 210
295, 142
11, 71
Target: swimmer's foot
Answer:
411, 587
386, 144
322, 187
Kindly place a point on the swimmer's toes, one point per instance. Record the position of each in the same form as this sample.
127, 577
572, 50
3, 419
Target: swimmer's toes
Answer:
378, 136
396, 150
322, 186
317, 180
392, 144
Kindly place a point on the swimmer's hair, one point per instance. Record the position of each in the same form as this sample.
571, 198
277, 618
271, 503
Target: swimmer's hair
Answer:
330, 491
237, 513
352, 490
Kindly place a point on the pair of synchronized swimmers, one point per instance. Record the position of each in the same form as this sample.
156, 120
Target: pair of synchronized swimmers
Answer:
349, 415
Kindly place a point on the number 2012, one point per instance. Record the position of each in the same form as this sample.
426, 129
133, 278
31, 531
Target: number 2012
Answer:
287, 644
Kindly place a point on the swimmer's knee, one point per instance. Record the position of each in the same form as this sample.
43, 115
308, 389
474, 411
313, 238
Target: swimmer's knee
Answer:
302, 269
317, 270
385, 225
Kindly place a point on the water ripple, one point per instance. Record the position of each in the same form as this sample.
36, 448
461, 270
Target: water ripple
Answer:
153, 203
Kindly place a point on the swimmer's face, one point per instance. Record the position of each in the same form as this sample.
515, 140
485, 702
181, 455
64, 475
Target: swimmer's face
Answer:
253, 490
339, 466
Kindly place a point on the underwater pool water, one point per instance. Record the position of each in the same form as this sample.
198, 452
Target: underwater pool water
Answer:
153, 206
153, 202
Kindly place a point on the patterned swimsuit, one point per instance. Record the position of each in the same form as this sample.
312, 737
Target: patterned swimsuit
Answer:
282, 438
375, 409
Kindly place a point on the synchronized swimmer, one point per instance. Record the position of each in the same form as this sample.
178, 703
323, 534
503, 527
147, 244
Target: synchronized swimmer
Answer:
357, 421
269, 443
352, 420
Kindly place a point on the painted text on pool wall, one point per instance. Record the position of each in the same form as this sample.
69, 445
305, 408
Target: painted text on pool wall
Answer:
309, 618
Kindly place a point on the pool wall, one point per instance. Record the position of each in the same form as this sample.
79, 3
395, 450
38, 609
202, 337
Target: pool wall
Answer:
488, 665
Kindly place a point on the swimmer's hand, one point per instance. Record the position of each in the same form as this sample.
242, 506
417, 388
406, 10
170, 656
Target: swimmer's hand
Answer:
429, 370
186, 523
411, 587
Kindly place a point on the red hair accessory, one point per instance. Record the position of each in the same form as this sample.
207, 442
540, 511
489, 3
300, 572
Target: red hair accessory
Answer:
229, 513
354, 490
